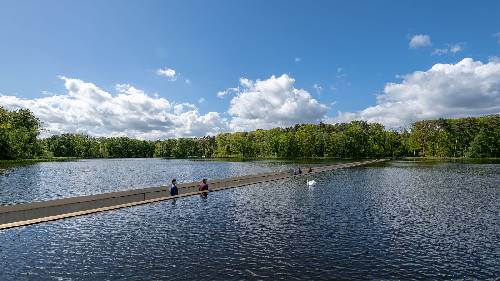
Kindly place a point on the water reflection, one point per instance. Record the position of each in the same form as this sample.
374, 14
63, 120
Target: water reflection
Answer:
204, 196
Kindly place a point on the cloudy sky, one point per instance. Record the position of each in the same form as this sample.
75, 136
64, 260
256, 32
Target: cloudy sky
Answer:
159, 69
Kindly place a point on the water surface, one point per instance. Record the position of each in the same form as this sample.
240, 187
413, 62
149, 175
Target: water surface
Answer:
395, 221
53, 180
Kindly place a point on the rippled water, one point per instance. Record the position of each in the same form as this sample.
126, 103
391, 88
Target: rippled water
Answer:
52, 180
399, 220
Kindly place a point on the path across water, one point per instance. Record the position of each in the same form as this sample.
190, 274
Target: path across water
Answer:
37, 212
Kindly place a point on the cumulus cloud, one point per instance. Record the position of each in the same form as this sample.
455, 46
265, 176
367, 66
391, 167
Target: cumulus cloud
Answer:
420, 40
274, 102
450, 49
467, 88
86, 108
169, 73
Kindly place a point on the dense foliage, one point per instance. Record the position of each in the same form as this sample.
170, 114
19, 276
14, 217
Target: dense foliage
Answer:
465, 137
18, 134
82, 146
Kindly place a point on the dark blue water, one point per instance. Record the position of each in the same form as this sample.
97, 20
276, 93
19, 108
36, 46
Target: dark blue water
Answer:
397, 221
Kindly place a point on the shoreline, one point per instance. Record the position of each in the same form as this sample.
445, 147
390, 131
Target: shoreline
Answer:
451, 159
36, 160
243, 159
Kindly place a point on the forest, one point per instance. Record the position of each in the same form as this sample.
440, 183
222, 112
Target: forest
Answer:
472, 137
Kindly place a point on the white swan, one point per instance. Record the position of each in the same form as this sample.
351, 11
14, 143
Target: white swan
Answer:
311, 183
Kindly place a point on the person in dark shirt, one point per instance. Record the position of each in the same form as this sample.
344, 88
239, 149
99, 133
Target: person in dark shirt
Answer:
203, 185
173, 189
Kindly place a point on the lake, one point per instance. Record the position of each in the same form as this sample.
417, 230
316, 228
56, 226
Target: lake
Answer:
54, 180
397, 220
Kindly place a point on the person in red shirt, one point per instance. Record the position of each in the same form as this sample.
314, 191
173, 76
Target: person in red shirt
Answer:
203, 185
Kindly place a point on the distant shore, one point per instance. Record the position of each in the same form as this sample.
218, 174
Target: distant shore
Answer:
452, 159
30, 161
299, 160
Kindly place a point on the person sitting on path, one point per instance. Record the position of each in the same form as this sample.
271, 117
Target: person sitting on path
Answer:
173, 189
203, 185
300, 171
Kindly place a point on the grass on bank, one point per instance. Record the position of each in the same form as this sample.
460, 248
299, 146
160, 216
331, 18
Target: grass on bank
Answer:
32, 161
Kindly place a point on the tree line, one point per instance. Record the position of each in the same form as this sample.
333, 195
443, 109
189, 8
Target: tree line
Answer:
473, 137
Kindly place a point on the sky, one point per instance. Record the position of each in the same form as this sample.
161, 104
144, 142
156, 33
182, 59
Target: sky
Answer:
161, 69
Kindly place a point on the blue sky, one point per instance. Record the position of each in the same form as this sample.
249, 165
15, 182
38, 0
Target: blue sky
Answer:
341, 53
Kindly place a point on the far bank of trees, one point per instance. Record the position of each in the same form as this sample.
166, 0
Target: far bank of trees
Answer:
465, 137
18, 134
82, 146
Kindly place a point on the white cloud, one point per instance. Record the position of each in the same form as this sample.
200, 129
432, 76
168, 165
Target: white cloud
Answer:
169, 73
450, 49
340, 73
455, 48
226, 92
270, 103
497, 36
221, 94
297, 59
494, 59
420, 40
467, 88
318, 88
440, 51
187, 81
86, 108
201, 100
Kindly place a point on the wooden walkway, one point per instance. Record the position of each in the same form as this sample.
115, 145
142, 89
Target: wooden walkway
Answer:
37, 212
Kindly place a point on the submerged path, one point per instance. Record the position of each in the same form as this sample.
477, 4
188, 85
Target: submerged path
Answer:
37, 212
